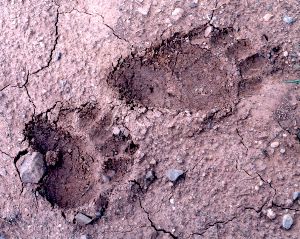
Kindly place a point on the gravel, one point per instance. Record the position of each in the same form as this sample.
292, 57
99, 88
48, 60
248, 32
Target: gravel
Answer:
296, 196
268, 17
271, 214
174, 174
58, 56
274, 144
282, 150
177, 13
116, 131
208, 31
144, 10
193, 5
83, 219
287, 221
150, 175
289, 20
32, 167
85, 236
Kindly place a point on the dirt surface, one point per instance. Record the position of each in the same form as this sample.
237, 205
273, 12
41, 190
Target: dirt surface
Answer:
115, 94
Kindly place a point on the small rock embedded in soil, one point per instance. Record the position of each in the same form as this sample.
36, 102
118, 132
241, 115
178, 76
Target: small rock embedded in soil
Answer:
296, 196
274, 144
177, 13
174, 174
58, 56
116, 131
150, 175
83, 219
208, 30
85, 237
270, 214
289, 202
287, 221
32, 167
282, 150
51, 158
144, 10
193, 4
289, 20
268, 17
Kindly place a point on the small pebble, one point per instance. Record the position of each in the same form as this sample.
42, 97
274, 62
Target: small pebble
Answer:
270, 214
296, 195
83, 219
172, 200
208, 31
58, 56
144, 10
274, 144
85, 237
116, 131
193, 5
174, 174
32, 167
125, 132
285, 53
150, 176
3, 173
152, 162
287, 221
289, 202
105, 178
177, 13
268, 17
288, 19
282, 150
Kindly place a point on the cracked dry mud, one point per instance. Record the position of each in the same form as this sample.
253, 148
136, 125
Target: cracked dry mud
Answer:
114, 94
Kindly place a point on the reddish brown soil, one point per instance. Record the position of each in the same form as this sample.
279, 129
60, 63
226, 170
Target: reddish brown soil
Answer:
113, 107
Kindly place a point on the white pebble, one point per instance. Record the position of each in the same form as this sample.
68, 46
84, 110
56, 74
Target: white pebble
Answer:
282, 150
274, 144
116, 131
270, 214
268, 17
177, 13
208, 30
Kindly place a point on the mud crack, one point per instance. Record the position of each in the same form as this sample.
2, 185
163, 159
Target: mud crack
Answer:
216, 223
56, 37
153, 224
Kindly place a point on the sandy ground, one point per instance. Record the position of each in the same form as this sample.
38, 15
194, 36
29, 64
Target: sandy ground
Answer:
114, 96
